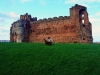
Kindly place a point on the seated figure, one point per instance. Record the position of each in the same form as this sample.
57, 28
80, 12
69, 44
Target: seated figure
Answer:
48, 41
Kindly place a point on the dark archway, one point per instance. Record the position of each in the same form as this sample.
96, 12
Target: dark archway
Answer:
81, 16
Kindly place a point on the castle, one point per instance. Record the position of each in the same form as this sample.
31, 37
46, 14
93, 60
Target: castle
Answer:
75, 28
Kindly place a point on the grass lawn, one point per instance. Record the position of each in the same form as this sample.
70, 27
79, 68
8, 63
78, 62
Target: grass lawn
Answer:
58, 59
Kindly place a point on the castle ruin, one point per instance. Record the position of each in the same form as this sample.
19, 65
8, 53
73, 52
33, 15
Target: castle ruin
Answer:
75, 28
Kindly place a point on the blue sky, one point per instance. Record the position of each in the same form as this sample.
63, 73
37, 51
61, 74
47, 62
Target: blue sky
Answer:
10, 11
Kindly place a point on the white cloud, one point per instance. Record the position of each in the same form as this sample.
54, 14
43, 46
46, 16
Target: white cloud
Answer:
96, 33
9, 15
94, 19
6, 19
13, 15
80, 1
95, 28
23, 1
4, 32
98, 14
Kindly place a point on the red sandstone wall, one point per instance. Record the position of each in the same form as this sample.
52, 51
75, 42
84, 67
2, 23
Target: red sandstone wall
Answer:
58, 30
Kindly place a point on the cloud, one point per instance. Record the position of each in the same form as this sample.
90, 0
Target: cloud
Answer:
13, 15
4, 32
8, 15
81, 1
95, 28
94, 19
96, 33
98, 14
6, 19
23, 1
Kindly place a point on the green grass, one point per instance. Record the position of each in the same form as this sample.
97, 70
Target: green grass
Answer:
58, 59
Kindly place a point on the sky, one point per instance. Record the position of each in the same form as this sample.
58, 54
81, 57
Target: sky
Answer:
10, 11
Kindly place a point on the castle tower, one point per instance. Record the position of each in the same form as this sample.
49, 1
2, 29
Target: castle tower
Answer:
17, 31
80, 18
20, 31
79, 14
25, 17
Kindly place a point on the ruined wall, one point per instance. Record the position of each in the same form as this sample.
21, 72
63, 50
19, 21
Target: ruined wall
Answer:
68, 29
17, 31
61, 29
19, 28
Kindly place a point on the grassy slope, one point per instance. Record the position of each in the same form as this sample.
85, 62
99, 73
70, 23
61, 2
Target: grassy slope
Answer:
58, 59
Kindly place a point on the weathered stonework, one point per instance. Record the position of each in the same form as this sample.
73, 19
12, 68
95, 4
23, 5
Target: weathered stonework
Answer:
75, 28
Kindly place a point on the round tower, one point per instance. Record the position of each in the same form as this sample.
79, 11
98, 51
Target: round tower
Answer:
20, 31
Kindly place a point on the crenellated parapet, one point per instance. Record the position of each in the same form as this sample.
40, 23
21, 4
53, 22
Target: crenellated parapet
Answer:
52, 19
27, 17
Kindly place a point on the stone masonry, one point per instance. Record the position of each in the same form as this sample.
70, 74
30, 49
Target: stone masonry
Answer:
75, 28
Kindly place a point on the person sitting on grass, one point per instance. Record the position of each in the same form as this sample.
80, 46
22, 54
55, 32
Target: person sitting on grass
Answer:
48, 41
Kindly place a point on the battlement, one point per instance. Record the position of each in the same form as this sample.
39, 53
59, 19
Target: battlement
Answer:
27, 17
52, 19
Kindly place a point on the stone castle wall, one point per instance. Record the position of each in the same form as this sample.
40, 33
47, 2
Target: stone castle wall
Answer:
62, 29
